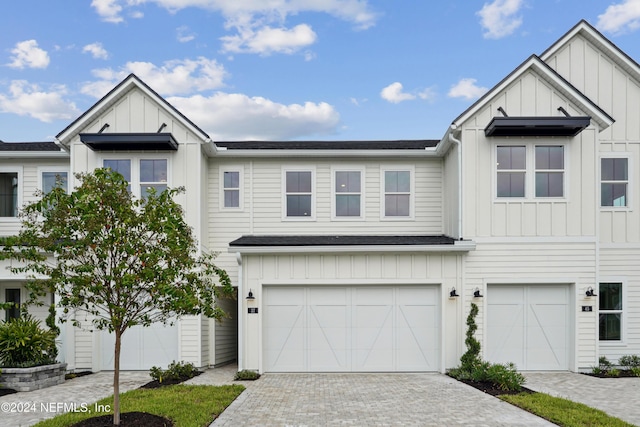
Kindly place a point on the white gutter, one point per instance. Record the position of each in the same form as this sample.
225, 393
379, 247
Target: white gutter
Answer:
456, 141
427, 152
34, 154
458, 246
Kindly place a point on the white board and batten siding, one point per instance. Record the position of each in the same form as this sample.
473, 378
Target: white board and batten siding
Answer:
300, 294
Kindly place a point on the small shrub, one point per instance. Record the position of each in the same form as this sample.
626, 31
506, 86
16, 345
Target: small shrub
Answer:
471, 358
635, 371
595, 370
629, 361
613, 373
603, 368
246, 375
23, 343
175, 371
506, 377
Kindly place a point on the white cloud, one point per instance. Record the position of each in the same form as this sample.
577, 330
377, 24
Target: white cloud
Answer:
267, 40
467, 89
28, 54
184, 35
27, 99
96, 50
393, 93
109, 10
175, 77
499, 18
233, 116
259, 26
621, 17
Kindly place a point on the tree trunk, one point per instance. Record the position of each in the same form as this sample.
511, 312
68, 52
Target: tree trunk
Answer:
116, 380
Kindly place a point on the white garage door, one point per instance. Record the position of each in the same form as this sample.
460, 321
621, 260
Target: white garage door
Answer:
142, 348
529, 326
358, 328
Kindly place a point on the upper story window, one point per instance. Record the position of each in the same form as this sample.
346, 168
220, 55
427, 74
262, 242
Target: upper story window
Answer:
549, 170
142, 174
9, 195
348, 194
231, 188
51, 179
614, 181
398, 193
522, 170
610, 321
299, 193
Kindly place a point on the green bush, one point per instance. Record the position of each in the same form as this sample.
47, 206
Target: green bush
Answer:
603, 368
471, 358
613, 373
176, 371
505, 377
23, 343
635, 371
246, 375
629, 361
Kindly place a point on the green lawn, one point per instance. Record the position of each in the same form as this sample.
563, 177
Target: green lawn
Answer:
185, 405
562, 411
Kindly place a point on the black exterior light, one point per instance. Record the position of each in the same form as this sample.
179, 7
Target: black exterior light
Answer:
590, 292
453, 293
250, 296
477, 294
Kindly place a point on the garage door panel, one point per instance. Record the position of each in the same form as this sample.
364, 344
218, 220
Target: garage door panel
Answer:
528, 325
142, 347
358, 328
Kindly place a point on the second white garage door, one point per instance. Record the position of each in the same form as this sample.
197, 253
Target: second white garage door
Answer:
529, 326
357, 328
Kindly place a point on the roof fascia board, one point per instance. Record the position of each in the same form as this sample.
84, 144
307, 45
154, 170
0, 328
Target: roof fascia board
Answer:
427, 152
34, 154
120, 90
534, 63
595, 37
458, 246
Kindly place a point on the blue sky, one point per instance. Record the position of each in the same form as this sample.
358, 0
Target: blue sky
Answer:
282, 69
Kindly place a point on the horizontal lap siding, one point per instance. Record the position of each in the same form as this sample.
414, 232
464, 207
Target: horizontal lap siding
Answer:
531, 263
262, 212
226, 333
621, 264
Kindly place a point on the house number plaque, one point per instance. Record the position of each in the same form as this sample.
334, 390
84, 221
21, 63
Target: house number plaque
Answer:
587, 308
253, 310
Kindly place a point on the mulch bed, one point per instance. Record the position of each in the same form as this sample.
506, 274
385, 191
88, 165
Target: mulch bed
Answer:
127, 419
157, 384
491, 389
77, 375
6, 391
623, 374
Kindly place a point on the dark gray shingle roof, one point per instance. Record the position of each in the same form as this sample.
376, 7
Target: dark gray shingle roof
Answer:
329, 145
28, 146
342, 240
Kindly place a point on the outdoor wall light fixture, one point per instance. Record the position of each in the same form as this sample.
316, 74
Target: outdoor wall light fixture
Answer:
453, 293
477, 294
250, 296
590, 292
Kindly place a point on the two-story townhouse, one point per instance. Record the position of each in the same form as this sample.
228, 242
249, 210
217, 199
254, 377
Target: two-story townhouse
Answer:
366, 255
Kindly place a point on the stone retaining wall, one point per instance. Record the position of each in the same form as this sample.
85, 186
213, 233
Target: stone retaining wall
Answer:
29, 379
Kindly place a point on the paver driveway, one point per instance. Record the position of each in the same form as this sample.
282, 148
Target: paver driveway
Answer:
421, 399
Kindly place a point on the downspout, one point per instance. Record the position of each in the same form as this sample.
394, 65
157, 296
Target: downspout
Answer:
459, 144
240, 313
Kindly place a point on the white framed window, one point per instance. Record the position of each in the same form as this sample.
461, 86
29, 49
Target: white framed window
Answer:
231, 179
611, 314
11, 190
298, 192
614, 182
526, 171
12, 294
347, 193
142, 173
397, 192
50, 177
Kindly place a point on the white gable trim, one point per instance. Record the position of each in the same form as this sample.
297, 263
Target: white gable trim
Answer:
132, 81
536, 65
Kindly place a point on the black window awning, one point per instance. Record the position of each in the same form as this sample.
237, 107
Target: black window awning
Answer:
129, 141
537, 126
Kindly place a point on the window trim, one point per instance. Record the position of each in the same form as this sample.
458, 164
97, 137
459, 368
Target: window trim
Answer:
630, 182
3, 296
536, 170
412, 191
43, 169
334, 193
135, 166
624, 311
20, 171
530, 172
283, 190
240, 170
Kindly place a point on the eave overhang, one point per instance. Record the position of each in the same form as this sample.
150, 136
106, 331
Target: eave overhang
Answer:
129, 141
537, 126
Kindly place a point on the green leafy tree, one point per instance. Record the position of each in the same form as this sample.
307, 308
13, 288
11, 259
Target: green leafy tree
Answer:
119, 261
471, 358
